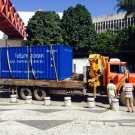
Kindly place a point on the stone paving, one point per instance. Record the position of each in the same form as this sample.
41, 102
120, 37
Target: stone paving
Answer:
37, 119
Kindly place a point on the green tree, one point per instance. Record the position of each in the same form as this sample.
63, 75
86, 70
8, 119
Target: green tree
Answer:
126, 5
44, 28
107, 43
78, 30
126, 43
119, 43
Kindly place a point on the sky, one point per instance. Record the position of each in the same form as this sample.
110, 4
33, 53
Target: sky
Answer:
95, 7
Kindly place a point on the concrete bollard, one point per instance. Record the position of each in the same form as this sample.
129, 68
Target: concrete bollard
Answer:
13, 98
115, 104
28, 100
67, 101
47, 101
91, 102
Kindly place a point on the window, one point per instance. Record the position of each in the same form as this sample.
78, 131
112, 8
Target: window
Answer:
122, 69
98, 26
114, 23
117, 69
103, 25
132, 21
123, 22
128, 21
131, 68
114, 68
111, 24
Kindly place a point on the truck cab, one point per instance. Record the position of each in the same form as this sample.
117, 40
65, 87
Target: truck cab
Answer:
117, 71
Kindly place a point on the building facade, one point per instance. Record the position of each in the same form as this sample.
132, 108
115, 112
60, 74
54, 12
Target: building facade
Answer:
112, 22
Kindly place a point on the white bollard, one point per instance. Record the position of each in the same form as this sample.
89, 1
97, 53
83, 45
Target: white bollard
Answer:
13, 98
115, 104
47, 101
67, 101
28, 100
91, 102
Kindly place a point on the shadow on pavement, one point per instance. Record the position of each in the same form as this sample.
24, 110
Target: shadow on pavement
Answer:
4, 94
102, 99
75, 98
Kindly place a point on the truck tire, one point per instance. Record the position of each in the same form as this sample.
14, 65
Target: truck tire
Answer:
122, 98
25, 92
39, 94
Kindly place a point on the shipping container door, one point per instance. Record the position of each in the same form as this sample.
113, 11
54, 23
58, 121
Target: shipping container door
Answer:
65, 59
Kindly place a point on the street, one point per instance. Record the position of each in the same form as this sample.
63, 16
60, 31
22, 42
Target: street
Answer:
57, 119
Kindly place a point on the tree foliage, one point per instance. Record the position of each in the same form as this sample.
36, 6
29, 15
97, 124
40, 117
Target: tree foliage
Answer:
107, 43
119, 43
126, 5
78, 30
126, 43
44, 28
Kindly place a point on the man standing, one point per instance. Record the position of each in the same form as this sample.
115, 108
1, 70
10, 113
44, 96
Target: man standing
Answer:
111, 91
128, 91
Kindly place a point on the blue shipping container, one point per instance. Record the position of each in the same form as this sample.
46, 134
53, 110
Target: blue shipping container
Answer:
36, 62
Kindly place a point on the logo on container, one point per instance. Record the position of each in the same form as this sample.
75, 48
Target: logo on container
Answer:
23, 56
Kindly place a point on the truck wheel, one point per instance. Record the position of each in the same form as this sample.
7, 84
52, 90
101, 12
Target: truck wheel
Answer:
122, 98
25, 92
39, 94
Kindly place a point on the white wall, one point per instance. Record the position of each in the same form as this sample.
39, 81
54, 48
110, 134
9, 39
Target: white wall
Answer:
4, 42
79, 64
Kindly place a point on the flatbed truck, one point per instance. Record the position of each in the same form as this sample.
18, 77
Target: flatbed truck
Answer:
95, 79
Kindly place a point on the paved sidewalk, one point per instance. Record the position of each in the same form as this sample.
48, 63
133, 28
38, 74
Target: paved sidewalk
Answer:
38, 119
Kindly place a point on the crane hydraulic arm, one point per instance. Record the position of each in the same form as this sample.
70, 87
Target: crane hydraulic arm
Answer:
97, 71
